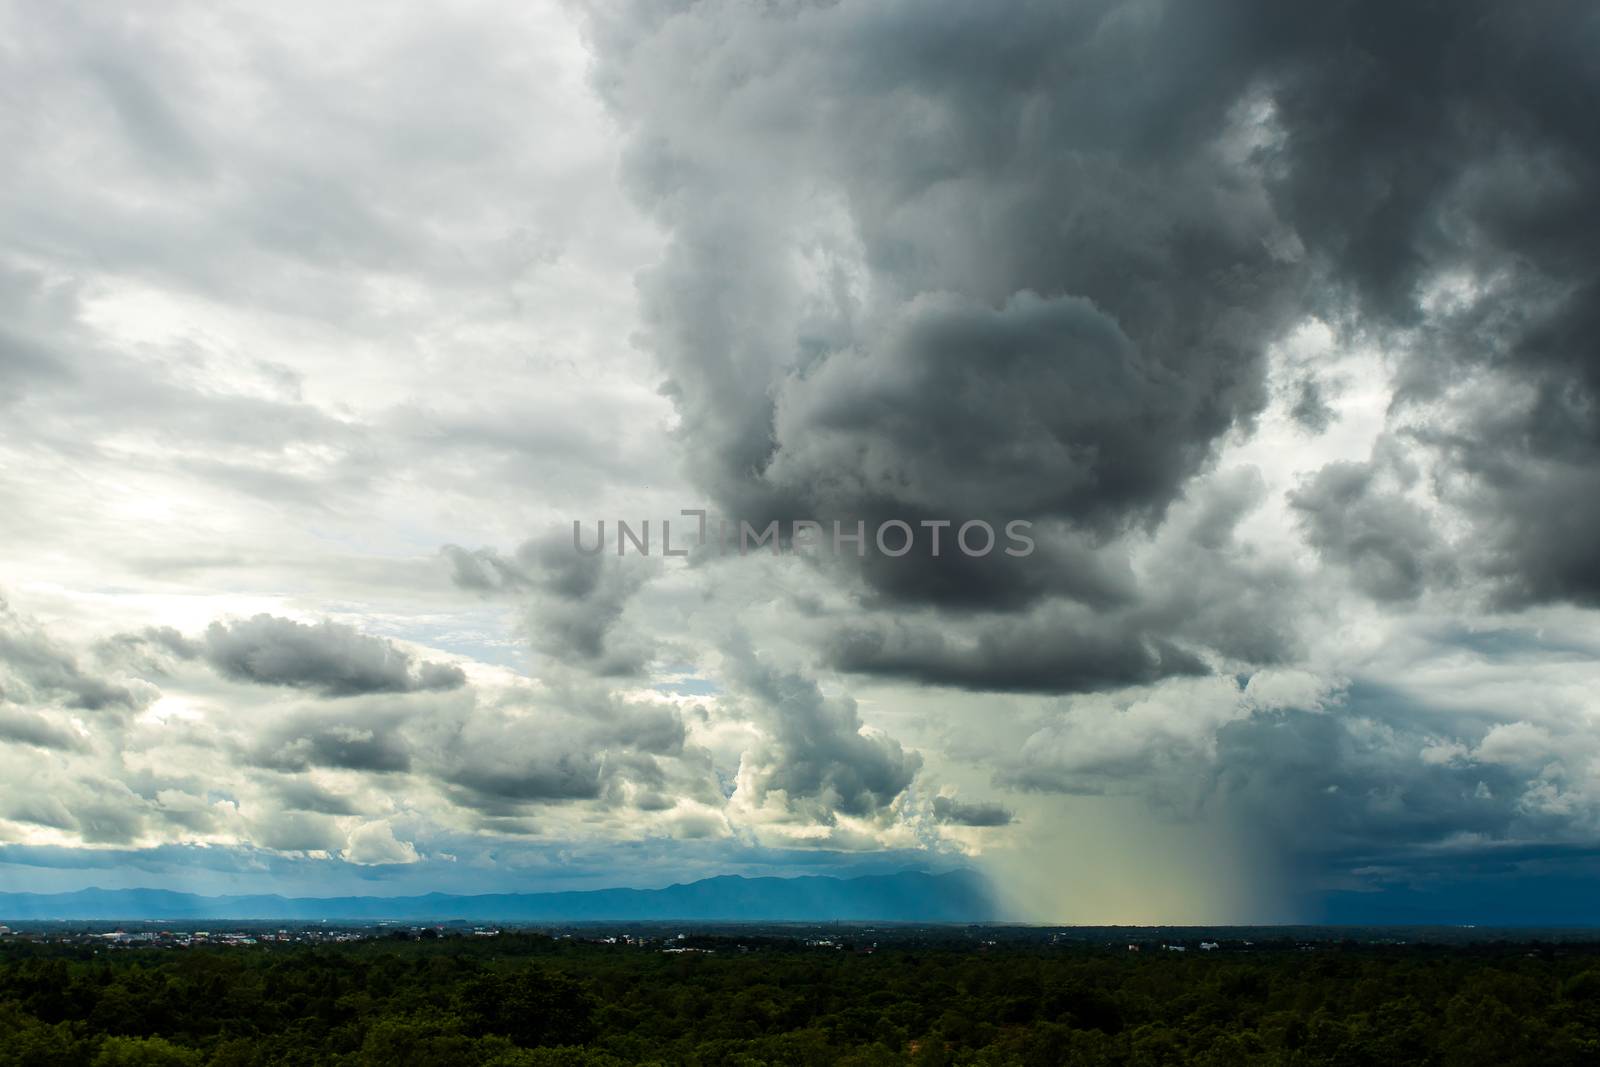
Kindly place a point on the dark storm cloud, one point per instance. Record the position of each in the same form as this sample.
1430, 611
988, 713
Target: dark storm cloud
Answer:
1202, 588
904, 284
328, 657
1042, 407
1446, 135
961, 813
1525, 474
1544, 534
1038, 654
1067, 285
1440, 164
1062, 563
1004, 287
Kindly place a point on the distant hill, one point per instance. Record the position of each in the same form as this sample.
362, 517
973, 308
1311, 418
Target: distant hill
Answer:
960, 896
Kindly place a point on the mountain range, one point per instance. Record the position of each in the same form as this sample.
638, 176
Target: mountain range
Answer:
908, 896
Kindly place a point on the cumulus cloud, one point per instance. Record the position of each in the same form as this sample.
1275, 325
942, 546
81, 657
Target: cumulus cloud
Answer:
1516, 744
574, 601
1388, 541
329, 657
297, 831
31, 728
299, 794
1053, 651
318, 768
816, 757
35, 668
370, 743
964, 813
517, 753
374, 843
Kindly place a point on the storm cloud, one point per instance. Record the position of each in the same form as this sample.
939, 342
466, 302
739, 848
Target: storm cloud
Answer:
1013, 286
898, 284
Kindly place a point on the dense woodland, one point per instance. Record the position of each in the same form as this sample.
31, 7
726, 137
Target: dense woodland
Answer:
527, 999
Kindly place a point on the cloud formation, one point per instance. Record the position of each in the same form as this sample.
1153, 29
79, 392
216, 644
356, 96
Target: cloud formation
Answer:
573, 601
35, 669
816, 758
333, 659
962, 813
1277, 326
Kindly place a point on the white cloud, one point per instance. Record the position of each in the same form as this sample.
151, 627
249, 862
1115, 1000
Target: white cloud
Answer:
374, 843
1515, 744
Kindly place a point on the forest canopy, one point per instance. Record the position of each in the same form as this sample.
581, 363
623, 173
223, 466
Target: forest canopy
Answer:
525, 999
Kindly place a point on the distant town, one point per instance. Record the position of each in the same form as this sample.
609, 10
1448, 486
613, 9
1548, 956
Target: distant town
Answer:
740, 937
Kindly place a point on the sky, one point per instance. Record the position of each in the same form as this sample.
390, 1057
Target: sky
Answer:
322, 325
